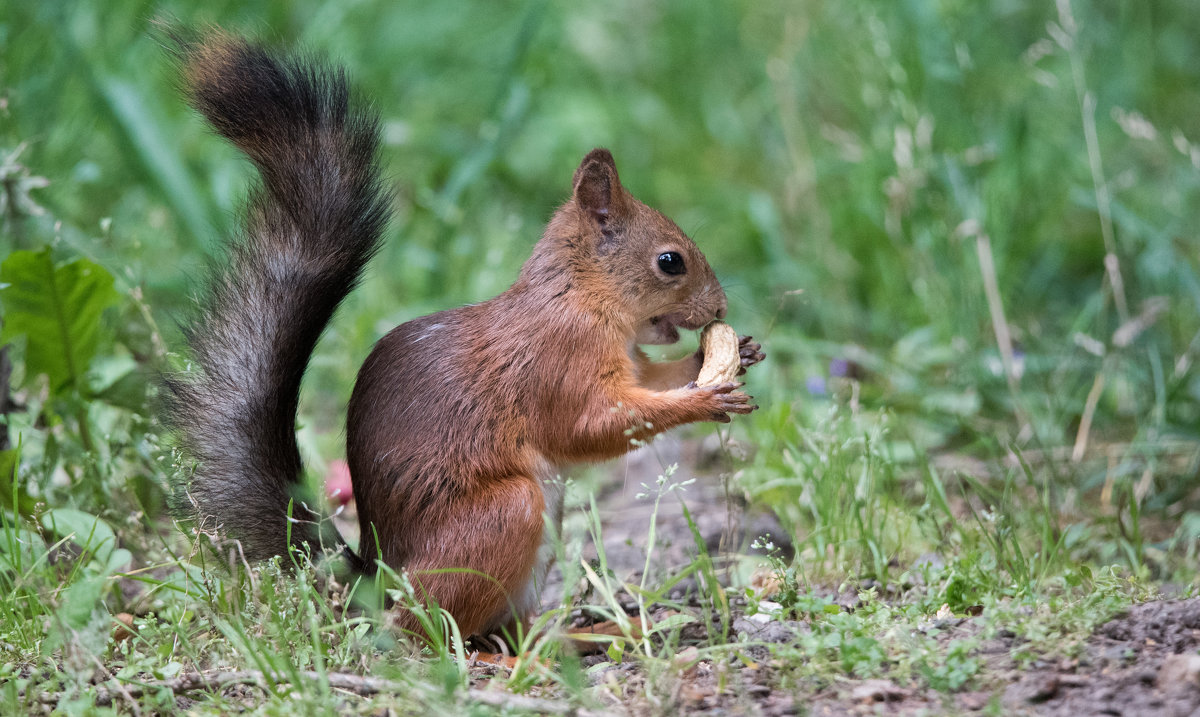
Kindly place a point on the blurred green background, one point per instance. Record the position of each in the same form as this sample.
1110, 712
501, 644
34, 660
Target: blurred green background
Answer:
851, 169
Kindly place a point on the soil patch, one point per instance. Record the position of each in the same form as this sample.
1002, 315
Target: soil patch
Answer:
1144, 662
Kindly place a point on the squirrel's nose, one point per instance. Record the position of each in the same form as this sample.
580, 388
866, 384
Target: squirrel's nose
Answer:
722, 302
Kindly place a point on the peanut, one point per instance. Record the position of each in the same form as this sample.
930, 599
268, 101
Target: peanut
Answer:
721, 357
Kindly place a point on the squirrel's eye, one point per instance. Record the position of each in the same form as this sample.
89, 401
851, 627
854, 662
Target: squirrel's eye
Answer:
671, 263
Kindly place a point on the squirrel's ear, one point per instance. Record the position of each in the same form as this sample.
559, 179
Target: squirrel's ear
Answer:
597, 187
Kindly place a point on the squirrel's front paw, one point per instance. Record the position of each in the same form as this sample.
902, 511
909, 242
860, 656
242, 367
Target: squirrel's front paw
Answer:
721, 400
750, 352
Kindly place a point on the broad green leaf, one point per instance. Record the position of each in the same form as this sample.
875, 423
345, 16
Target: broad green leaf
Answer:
84, 529
118, 560
81, 600
20, 548
118, 381
57, 309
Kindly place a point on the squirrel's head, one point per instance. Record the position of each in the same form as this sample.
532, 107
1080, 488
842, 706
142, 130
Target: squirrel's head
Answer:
661, 280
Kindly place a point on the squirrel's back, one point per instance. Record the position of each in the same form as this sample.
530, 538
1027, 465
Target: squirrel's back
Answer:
309, 229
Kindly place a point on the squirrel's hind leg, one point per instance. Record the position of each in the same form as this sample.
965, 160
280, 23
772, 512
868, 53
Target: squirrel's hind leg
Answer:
474, 555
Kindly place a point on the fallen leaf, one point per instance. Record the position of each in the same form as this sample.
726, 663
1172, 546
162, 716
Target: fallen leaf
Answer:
124, 630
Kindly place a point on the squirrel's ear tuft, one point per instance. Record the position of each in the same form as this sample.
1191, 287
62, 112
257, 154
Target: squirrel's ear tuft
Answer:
597, 187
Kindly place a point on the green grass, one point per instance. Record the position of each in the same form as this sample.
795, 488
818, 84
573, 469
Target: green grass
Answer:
966, 234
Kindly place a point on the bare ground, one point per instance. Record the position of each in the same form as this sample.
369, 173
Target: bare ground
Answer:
1144, 662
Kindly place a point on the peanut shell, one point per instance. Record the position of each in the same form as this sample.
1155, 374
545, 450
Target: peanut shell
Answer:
721, 357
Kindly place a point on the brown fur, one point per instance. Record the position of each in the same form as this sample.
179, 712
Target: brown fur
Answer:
460, 421
456, 413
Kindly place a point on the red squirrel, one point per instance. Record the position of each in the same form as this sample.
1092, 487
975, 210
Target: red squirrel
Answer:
460, 421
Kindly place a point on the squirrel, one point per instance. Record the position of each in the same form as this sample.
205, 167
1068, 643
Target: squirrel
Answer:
459, 422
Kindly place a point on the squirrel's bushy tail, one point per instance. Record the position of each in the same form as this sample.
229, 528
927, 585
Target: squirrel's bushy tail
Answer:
309, 229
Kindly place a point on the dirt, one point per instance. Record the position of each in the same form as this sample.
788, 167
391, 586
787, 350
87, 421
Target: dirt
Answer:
1144, 662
